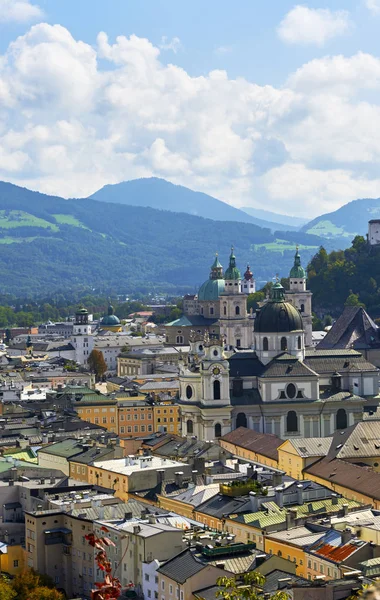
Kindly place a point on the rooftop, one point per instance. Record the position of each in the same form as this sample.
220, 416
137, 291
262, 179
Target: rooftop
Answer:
265, 444
132, 464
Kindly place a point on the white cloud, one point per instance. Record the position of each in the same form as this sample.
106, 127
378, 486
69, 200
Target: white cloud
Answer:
373, 6
69, 125
174, 44
19, 11
303, 25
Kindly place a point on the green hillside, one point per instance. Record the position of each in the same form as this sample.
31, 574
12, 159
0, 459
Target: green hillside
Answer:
351, 275
346, 222
48, 243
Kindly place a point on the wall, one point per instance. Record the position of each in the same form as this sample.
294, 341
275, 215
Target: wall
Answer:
249, 454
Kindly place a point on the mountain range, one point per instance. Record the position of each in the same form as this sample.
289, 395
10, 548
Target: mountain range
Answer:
347, 221
48, 243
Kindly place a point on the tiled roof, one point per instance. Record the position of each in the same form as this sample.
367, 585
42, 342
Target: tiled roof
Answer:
266, 444
354, 327
362, 480
286, 365
338, 553
181, 567
342, 361
311, 446
245, 364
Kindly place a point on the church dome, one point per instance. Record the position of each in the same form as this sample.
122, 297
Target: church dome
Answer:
110, 319
297, 271
278, 316
211, 289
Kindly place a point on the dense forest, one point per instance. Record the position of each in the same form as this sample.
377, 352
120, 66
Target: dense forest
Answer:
342, 277
48, 245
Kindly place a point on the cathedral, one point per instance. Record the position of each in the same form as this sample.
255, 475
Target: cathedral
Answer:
278, 384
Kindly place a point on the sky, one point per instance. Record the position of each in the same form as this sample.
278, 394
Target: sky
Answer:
272, 105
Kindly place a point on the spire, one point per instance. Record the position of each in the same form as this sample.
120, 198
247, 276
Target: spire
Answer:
278, 292
297, 271
232, 272
216, 269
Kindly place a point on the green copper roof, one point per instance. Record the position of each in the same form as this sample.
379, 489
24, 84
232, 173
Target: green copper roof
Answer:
110, 318
211, 289
277, 315
297, 271
216, 264
232, 272
278, 292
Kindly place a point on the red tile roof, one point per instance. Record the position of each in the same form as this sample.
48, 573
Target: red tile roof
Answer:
266, 444
336, 553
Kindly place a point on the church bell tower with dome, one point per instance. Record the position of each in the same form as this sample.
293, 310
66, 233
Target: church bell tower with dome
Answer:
82, 338
235, 324
204, 389
300, 297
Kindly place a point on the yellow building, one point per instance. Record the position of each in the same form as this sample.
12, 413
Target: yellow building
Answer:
296, 454
167, 417
12, 559
100, 410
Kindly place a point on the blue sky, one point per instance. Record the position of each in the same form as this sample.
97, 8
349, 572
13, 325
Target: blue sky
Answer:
272, 105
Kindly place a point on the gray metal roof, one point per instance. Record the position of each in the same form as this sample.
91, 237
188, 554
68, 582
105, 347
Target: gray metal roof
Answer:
181, 567
311, 446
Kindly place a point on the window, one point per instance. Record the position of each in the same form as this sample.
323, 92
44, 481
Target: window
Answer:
179, 339
170, 589
189, 427
299, 343
238, 343
321, 568
146, 577
341, 419
291, 421
302, 308
15, 563
237, 310
211, 310
216, 389
241, 420
291, 390
218, 430
162, 585
96, 420
309, 564
225, 310
265, 344
284, 344
122, 429
104, 419
189, 392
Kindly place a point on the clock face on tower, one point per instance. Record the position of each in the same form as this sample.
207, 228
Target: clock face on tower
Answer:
216, 370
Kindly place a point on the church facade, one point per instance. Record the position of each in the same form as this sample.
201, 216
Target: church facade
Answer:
282, 386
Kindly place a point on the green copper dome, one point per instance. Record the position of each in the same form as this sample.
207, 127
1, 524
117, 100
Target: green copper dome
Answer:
232, 272
110, 318
278, 316
211, 289
297, 271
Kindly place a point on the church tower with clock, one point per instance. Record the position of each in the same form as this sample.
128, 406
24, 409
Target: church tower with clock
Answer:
204, 389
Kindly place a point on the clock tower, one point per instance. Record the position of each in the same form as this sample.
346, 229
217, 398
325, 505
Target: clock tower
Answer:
204, 390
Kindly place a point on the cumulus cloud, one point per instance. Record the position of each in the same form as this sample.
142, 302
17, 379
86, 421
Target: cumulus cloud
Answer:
69, 124
303, 25
373, 6
174, 44
19, 11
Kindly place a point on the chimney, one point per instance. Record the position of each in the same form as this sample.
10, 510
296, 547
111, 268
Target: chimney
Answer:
253, 501
277, 479
250, 471
346, 535
160, 475
52, 480
283, 583
300, 494
280, 497
179, 478
291, 516
345, 509
127, 516
334, 499
259, 560
152, 519
136, 529
194, 475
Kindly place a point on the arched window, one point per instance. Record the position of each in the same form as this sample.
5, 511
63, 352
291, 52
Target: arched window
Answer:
211, 310
189, 426
291, 421
216, 389
284, 344
179, 339
218, 430
224, 310
302, 308
189, 392
299, 343
265, 344
341, 419
241, 420
237, 310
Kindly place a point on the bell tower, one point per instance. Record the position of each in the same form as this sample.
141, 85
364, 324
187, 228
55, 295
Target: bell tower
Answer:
300, 297
82, 338
204, 390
